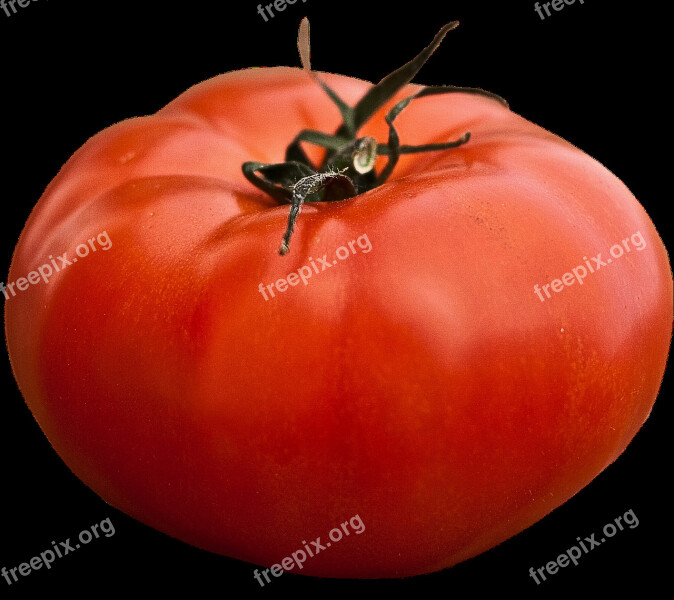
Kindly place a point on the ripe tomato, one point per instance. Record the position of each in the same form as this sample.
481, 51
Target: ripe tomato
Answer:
421, 385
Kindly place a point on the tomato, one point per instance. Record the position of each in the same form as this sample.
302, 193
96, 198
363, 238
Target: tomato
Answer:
421, 384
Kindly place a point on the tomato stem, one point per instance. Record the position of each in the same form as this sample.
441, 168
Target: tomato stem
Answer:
348, 167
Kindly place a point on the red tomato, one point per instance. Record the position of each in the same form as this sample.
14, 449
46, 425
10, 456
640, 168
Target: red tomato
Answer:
421, 385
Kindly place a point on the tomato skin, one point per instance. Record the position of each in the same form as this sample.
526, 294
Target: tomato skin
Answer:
422, 386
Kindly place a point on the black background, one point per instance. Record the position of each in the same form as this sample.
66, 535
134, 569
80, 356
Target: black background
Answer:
591, 73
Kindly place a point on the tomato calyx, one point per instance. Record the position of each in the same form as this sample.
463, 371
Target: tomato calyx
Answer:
348, 167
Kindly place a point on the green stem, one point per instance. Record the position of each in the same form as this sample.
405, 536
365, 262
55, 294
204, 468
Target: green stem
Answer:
348, 168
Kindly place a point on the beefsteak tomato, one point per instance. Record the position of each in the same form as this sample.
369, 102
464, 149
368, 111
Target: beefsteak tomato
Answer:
421, 384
